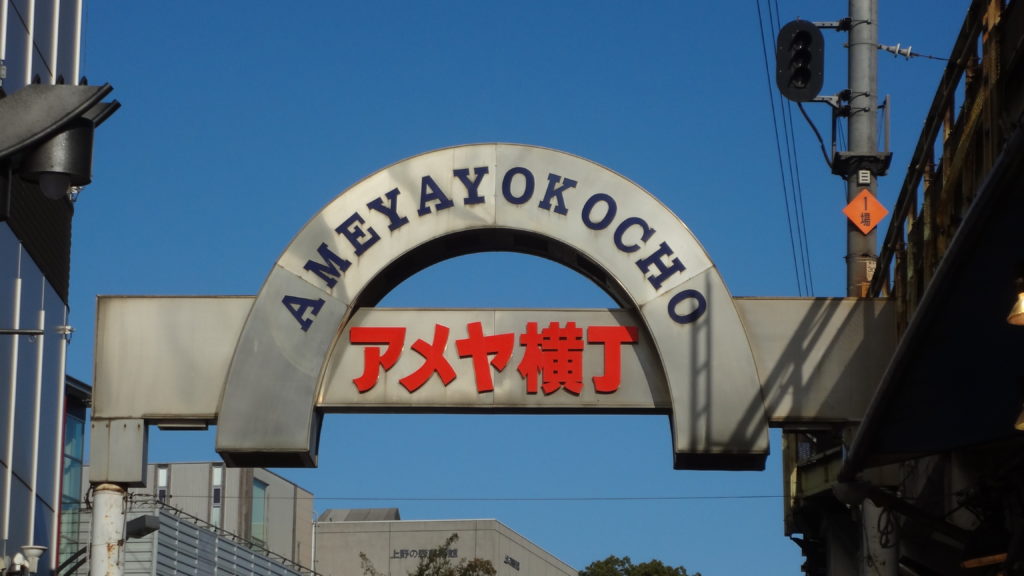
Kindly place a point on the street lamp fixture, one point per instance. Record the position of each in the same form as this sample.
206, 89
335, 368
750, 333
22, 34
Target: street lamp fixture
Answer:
1016, 317
63, 161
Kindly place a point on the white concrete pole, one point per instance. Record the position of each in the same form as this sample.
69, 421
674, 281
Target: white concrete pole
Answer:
58, 447
37, 407
107, 530
12, 402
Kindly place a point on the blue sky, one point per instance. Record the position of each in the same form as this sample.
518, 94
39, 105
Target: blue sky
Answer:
240, 121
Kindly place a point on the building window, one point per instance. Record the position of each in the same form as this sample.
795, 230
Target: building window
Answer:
71, 485
216, 495
162, 481
259, 512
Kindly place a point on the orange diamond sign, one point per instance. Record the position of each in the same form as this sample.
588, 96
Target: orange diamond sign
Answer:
865, 211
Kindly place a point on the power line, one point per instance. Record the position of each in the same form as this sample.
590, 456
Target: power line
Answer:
793, 187
778, 146
495, 499
793, 166
801, 221
35, 45
565, 498
795, 181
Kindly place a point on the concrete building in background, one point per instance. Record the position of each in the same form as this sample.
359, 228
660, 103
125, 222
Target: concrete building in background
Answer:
203, 517
258, 511
395, 546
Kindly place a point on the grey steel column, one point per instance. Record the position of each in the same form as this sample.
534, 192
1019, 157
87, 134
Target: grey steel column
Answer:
863, 133
878, 558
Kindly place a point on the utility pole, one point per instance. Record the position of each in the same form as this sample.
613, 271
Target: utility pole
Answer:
862, 163
799, 71
878, 555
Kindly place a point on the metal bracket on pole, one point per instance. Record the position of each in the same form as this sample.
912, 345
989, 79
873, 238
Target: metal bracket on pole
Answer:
837, 25
19, 332
832, 101
835, 103
846, 163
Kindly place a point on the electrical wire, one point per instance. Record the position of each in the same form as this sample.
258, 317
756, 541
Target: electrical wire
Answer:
808, 273
491, 499
797, 191
821, 141
568, 498
778, 147
792, 209
795, 181
35, 45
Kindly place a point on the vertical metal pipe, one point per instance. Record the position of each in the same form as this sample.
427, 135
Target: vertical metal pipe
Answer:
37, 406
76, 44
3, 33
54, 41
12, 400
861, 257
30, 27
863, 135
107, 530
58, 445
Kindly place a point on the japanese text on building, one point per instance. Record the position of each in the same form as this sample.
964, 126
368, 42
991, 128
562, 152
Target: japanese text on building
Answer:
552, 357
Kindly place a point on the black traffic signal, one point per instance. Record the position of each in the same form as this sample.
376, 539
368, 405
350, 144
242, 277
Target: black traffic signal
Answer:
800, 60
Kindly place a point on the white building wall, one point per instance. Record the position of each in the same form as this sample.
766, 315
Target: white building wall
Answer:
395, 547
282, 522
232, 501
190, 488
289, 507
303, 527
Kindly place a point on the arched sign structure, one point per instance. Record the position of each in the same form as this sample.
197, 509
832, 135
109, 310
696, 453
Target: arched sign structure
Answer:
477, 198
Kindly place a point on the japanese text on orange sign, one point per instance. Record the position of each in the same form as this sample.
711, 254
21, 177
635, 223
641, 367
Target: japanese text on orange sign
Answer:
552, 356
865, 211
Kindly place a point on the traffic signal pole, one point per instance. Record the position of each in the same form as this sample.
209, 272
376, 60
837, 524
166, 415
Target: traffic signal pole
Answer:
878, 551
862, 171
799, 72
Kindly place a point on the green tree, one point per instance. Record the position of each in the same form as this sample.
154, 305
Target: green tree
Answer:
615, 566
439, 563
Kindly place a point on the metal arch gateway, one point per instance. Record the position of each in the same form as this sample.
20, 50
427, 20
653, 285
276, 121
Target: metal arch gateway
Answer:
265, 369
492, 197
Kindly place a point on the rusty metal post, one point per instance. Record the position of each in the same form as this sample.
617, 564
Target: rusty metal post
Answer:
107, 530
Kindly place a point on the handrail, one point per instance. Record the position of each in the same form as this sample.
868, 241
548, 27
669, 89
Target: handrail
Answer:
148, 501
906, 203
73, 562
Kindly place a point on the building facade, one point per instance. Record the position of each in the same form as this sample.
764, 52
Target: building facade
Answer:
395, 547
45, 157
72, 540
162, 540
40, 43
269, 514
205, 518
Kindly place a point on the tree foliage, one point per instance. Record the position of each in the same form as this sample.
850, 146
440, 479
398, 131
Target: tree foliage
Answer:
615, 566
439, 563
